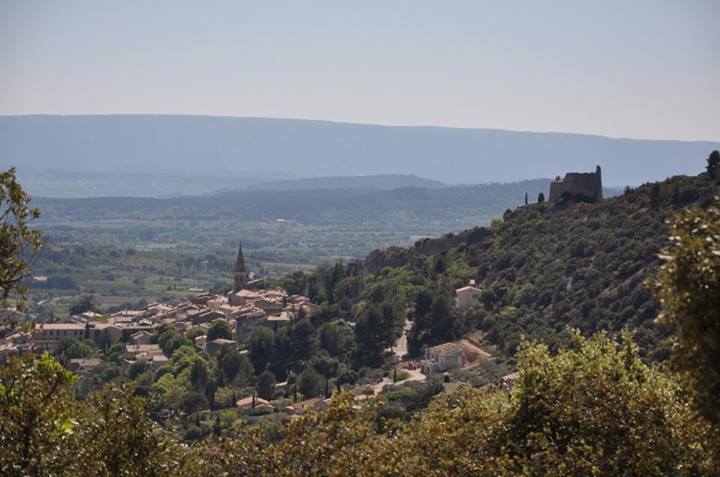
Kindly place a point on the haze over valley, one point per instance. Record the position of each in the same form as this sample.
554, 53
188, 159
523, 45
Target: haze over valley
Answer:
187, 155
379, 239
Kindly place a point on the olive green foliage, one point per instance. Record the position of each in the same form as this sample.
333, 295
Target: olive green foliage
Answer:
170, 340
261, 347
19, 244
266, 385
713, 165
44, 431
688, 286
310, 383
36, 415
541, 268
594, 408
219, 329
73, 348
374, 333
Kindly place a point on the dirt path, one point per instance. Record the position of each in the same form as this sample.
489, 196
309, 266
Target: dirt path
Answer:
415, 375
400, 346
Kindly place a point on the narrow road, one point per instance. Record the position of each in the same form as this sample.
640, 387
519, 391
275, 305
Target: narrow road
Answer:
415, 375
400, 346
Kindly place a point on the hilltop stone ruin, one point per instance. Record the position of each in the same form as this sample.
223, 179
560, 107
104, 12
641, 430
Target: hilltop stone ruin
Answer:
577, 187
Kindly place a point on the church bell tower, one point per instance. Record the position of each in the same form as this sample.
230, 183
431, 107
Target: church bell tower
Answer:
241, 276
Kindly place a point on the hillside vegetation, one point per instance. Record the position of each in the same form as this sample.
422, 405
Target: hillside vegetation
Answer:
593, 409
127, 249
578, 406
542, 268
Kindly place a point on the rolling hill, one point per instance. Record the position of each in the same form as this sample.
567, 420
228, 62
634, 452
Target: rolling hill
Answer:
278, 149
544, 267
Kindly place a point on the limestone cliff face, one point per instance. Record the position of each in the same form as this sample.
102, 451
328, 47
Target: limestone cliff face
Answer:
578, 186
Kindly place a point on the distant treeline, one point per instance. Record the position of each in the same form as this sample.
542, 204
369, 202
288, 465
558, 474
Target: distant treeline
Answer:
319, 206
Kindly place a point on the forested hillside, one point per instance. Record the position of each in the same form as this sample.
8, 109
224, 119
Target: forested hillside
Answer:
578, 406
542, 268
123, 250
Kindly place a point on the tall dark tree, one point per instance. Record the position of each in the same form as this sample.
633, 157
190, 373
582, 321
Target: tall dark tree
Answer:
422, 322
441, 322
266, 385
655, 195
371, 336
19, 244
332, 278
303, 341
541, 197
326, 366
713, 164
310, 383
335, 338
260, 348
282, 356
234, 367
199, 374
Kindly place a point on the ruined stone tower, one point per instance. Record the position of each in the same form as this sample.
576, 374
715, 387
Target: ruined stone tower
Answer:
577, 186
241, 276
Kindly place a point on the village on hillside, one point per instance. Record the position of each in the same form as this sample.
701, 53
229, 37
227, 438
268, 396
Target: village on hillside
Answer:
248, 305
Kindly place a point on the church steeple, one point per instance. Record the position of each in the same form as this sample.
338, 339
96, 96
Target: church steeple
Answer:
241, 276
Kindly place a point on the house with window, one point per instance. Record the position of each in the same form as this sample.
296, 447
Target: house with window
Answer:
443, 357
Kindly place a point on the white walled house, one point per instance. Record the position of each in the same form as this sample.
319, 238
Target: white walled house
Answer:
443, 357
466, 297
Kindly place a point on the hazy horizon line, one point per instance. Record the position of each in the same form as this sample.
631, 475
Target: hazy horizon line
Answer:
361, 123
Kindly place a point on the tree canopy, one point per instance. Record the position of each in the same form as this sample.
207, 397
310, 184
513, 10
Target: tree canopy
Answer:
19, 243
688, 287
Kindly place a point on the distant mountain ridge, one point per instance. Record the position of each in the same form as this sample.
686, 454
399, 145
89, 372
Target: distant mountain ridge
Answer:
379, 182
306, 148
449, 207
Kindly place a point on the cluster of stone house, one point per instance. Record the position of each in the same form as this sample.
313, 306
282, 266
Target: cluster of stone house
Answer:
243, 310
248, 305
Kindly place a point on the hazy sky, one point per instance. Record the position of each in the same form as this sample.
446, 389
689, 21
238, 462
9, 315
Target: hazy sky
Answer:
628, 68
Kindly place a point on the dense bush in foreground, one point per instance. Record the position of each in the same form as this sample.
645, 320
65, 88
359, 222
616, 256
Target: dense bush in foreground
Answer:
593, 409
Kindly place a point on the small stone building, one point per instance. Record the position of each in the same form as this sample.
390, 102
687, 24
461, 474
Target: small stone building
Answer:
466, 297
213, 347
443, 357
